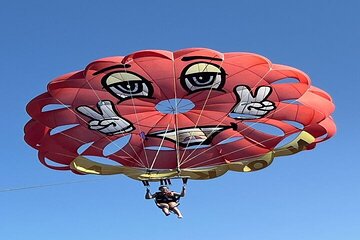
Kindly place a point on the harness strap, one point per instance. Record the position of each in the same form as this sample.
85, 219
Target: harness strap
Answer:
165, 181
168, 181
145, 183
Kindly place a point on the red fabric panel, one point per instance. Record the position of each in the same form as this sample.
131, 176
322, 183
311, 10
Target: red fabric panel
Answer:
297, 101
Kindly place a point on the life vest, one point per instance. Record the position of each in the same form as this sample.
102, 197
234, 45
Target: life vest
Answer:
164, 198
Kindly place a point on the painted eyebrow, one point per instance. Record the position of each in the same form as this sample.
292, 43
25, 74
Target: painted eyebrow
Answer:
112, 67
200, 57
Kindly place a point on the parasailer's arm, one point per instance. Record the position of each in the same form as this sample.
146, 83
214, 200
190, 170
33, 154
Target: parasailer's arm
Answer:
148, 194
183, 192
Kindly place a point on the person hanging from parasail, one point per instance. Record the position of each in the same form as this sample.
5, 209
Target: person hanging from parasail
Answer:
167, 200
155, 112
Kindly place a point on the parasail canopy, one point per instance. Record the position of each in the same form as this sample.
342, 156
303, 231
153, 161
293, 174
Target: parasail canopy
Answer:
194, 113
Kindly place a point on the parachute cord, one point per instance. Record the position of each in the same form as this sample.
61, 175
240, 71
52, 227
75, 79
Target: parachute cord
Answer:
225, 117
176, 112
153, 81
177, 146
202, 109
178, 170
161, 143
240, 149
234, 160
47, 185
88, 82
137, 118
82, 119
207, 64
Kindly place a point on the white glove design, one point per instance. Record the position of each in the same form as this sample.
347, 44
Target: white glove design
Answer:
107, 120
252, 106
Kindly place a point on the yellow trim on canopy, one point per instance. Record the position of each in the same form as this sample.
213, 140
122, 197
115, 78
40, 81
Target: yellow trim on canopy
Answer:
297, 145
86, 166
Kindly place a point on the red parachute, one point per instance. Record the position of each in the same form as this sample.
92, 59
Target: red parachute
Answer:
193, 113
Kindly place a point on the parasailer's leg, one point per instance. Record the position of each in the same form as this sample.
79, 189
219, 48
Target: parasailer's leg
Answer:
165, 208
175, 209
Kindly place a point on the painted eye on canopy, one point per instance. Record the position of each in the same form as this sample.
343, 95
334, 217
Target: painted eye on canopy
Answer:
199, 76
127, 85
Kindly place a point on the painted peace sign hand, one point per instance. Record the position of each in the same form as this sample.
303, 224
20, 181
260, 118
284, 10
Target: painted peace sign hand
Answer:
107, 120
251, 106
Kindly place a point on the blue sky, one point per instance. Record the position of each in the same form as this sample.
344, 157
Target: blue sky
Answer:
311, 195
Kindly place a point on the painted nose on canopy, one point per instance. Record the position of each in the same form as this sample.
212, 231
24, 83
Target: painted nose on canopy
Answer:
175, 106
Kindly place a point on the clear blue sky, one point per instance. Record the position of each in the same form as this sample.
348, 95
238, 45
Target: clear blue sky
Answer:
309, 196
